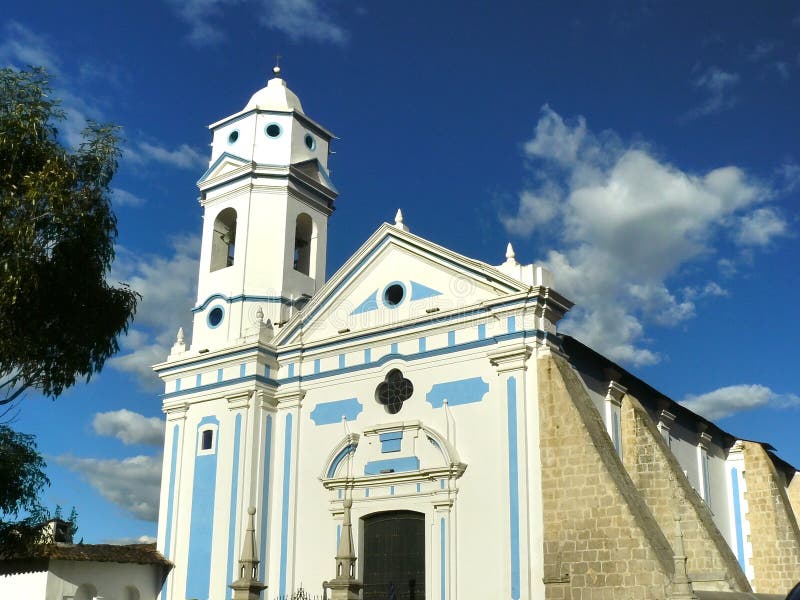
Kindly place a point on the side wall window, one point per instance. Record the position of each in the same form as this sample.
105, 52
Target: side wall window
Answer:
223, 242
207, 439
302, 243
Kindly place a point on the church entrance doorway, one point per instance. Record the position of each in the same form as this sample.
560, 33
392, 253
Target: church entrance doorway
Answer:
394, 556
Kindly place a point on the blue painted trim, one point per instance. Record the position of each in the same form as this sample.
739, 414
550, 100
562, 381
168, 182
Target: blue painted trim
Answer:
368, 305
460, 391
219, 375
419, 487
430, 353
291, 370
443, 559
442, 483
328, 413
237, 433
419, 291
482, 331
338, 535
316, 365
513, 486
221, 319
201, 523
218, 384
243, 370
402, 299
511, 324
356, 269
423, 344
177, 385
217, 358
393, 348
737, 517
198, 380
287, 475
339, 458
398, 465
367, 356
391, 441
342, 361
391, 490
366, 492
217, 162
451, 338
265, 499
170, 501
244, 298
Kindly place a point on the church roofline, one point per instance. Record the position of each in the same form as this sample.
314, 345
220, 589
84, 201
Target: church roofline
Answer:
305, 120
585, 359
373, 245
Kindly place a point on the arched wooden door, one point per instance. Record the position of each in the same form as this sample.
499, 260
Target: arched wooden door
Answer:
394, 556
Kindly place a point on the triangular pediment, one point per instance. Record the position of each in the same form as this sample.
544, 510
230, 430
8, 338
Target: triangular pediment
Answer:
226, 164
395, 279
314, 170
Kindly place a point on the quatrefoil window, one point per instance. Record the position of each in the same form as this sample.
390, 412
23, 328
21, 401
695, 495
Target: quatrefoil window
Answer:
393, 391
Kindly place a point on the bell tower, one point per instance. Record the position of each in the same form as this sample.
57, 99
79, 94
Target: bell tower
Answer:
266, 199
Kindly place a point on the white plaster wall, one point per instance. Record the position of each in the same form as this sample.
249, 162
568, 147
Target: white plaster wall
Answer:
24, 586
110, 579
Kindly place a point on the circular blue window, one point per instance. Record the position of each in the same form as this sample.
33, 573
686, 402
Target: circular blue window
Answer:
394, 294
273, 130
215, 316
311, 143
234, 135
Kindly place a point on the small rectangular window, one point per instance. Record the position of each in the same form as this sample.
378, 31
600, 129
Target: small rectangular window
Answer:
207, 440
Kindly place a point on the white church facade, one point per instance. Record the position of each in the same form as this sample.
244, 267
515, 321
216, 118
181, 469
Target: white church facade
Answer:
430, 399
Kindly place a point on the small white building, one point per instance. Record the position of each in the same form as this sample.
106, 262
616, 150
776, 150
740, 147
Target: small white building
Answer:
60, 571
485, 455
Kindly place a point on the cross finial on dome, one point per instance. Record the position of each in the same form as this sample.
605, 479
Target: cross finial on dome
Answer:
398, 220
276, 70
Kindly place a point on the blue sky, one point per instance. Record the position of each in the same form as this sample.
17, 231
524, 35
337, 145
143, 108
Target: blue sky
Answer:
648, 156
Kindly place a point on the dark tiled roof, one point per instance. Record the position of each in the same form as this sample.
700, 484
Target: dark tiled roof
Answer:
143, 554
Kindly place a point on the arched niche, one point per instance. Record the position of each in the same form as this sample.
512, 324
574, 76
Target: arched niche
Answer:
303, 244
223, 242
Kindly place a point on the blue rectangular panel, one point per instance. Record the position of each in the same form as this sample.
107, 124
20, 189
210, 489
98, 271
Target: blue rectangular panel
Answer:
392, 465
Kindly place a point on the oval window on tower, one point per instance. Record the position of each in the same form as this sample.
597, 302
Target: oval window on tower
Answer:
311, 143
234, 135
273, 130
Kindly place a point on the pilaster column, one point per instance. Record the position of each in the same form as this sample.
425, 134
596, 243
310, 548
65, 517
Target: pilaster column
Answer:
511, 365
284, 493
171, 488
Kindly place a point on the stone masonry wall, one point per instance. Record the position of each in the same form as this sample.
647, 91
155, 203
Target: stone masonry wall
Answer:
659, 477
793, 491
774, 532
600, 540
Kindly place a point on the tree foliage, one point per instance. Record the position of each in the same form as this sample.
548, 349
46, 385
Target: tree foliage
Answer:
21, 479
59, 316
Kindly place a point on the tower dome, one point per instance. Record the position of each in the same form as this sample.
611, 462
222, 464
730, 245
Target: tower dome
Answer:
275, 96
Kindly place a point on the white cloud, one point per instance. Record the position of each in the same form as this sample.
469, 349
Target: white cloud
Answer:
122, 197
126, 541
22, 48
303, 19
298, 19
132, 483
626, 223
717, 85
731, 399
130, 427
168, 288
200, 16
789, 172
761, 50
183, 157
761, 227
